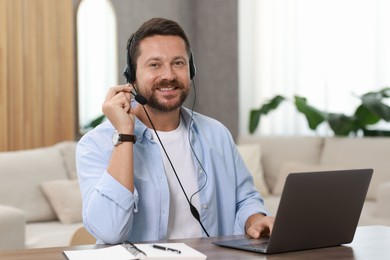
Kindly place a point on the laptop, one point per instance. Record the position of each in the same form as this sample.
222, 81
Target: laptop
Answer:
316, 209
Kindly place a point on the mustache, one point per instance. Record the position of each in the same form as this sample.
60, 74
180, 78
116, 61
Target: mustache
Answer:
168, 83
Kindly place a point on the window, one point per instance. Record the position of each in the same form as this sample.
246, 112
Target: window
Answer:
328, 51
97, 56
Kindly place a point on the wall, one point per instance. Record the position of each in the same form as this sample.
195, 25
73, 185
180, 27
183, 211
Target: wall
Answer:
216, 46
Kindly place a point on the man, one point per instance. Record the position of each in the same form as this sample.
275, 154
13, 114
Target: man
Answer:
178, 174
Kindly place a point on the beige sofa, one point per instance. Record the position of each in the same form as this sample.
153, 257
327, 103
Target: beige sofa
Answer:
271, 159
40, 201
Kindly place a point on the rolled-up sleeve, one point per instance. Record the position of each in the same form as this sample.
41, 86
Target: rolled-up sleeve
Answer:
108, 207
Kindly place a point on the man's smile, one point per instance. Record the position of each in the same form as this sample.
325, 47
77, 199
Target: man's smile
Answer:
166, 89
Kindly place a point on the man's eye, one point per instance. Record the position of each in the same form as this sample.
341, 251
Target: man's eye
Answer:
179, 63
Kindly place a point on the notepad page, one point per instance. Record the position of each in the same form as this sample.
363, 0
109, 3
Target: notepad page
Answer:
107, 253
119, 252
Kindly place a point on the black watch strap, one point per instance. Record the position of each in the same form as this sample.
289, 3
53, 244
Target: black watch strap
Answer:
127, 138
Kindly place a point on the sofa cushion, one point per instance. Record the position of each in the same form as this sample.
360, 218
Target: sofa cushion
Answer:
278, 149
12, 233
49, 234
368, 215
68, 152
251, 154
271, 202
65, 198
22, 172
367, 152
382, 209
295, 167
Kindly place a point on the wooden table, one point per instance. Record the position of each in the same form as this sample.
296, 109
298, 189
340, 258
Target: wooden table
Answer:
370, 242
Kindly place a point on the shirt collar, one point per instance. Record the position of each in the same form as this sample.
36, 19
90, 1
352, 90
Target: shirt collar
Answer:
141, 130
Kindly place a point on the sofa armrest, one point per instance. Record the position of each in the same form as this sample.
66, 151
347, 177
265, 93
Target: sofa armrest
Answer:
383, 198
12, 228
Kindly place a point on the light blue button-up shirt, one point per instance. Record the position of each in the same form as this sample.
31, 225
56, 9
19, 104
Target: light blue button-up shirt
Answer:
113, 214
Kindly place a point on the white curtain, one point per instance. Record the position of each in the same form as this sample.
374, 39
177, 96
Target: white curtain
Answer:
328, 51
97, 56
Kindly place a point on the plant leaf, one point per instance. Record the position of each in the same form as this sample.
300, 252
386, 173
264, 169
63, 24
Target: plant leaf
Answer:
313, 115
95, 122
385, 92
376, 132
372, 102
255, 114
365, 117
254, 119
341, 124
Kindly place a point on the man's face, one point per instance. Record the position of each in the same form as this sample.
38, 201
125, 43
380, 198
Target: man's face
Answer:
162, 74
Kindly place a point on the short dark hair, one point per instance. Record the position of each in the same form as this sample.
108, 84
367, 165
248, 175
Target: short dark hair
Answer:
152, 27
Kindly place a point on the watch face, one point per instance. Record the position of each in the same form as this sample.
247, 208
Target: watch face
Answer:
115, 138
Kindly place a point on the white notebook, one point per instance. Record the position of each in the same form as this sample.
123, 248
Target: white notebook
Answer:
128, 251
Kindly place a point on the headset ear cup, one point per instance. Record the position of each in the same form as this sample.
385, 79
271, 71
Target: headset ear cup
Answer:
192, 67
129, 71
129, 74
126, 73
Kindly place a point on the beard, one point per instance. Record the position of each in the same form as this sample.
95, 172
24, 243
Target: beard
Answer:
154, 102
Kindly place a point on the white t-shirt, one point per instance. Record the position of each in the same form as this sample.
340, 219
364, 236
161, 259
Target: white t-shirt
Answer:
181, 223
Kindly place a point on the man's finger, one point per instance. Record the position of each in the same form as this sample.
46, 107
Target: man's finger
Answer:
255, 231
113, 91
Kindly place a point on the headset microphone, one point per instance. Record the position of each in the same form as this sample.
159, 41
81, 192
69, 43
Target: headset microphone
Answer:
139, 98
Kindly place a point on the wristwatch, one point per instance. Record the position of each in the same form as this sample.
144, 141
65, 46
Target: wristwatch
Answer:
118, 138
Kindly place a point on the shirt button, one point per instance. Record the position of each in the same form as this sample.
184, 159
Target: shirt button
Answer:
205, 206
200, 172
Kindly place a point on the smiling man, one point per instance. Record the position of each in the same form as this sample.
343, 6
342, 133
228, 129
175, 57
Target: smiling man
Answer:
157, 170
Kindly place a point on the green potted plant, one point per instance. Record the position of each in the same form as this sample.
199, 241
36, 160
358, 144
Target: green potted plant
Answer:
370, 111
93, 123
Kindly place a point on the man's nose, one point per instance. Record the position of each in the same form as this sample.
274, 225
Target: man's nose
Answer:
168, 73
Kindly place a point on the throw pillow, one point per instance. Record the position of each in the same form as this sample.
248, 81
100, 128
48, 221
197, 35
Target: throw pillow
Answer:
251, 154
65, 199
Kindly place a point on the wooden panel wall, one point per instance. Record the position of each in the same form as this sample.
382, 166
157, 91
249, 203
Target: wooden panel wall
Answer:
37, 73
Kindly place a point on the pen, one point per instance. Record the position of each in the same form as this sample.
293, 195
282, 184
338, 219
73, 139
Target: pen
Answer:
166, 249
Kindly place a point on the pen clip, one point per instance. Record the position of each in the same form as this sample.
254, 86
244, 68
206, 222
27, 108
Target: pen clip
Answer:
133, 249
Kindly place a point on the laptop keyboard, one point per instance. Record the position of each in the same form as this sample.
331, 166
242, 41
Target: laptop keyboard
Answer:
261, 246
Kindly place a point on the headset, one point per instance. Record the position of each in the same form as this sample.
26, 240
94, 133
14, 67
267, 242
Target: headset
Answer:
129, 71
